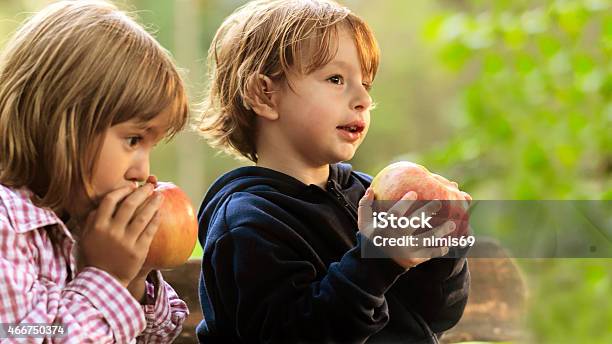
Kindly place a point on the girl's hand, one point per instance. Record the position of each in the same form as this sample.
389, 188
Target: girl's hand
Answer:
407, 256
137, 285
117, 235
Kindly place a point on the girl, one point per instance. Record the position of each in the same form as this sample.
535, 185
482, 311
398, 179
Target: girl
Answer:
85, 94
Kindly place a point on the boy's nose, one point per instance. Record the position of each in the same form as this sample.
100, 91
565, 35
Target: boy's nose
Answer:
361, 101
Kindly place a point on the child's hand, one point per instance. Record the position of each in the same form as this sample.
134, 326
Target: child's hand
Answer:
117, 235
407, 257
454, 185
137, 285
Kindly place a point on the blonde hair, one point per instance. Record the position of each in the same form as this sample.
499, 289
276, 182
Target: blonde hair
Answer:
270, 37
69, 73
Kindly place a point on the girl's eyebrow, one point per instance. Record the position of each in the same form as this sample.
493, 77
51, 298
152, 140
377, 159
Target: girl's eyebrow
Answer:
149, 129
142, 125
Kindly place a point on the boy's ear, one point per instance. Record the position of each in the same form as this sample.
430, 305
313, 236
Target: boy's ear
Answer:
259, 97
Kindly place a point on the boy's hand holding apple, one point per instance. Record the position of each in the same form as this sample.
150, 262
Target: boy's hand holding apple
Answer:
412, 185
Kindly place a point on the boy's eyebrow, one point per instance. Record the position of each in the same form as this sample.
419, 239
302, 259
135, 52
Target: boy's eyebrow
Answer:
340, 64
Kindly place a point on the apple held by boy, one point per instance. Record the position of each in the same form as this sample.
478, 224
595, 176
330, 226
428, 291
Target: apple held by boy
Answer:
395, 180
178, 228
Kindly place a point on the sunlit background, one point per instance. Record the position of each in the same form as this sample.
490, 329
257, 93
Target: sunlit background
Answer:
512, 99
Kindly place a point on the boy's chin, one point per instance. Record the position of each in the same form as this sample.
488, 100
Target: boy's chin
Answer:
345, 156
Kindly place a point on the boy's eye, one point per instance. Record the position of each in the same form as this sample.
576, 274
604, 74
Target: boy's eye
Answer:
133, 140
336, 79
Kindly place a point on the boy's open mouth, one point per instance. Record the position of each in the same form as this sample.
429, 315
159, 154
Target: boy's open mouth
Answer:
355, 127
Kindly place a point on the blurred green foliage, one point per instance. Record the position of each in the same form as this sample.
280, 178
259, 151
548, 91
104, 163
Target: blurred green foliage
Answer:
535, 107
534, 121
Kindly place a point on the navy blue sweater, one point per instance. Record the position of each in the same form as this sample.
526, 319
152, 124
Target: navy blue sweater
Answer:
282, 264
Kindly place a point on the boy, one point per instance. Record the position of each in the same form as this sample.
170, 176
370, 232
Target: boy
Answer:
289, 91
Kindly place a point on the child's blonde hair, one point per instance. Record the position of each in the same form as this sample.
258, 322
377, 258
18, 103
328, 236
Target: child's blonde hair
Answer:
69, 73
270, 37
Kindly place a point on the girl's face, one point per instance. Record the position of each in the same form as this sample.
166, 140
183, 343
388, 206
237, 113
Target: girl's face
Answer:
123, 158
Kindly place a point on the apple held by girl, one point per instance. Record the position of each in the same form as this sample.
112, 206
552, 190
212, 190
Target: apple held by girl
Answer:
178, 228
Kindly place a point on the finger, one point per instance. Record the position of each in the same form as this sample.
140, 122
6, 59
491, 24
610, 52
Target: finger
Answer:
422, 254
364, 212
439, 232
143, 216
434, 252
130, 205
429, 209
147, 235
412, 262
368, 198
152, 179
465, 202
445, 181
401, 207
430, 252
110, 201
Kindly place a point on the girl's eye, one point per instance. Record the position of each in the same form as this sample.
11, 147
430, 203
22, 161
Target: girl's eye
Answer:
367, 86
133, 140
336, 79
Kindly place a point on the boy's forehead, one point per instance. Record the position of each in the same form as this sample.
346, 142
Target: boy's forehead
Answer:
344, 56
342, 52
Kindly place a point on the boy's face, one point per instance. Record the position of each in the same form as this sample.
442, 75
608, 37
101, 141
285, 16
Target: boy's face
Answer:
327, 114
124, 156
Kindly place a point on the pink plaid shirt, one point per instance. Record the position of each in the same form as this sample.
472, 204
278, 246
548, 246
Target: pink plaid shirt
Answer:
38, 284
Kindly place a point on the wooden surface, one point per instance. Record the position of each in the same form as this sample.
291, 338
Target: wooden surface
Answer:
494, 311
496, 303
184, 280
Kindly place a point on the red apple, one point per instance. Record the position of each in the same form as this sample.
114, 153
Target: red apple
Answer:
397, 179
178, 230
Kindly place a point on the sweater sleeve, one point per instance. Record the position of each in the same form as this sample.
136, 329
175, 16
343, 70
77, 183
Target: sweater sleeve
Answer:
442, 285
273, 293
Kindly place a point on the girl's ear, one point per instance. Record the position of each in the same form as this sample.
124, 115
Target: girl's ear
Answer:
260, 96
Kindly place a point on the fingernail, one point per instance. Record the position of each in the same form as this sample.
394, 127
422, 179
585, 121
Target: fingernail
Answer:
158, 196
411, 195
452, 226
